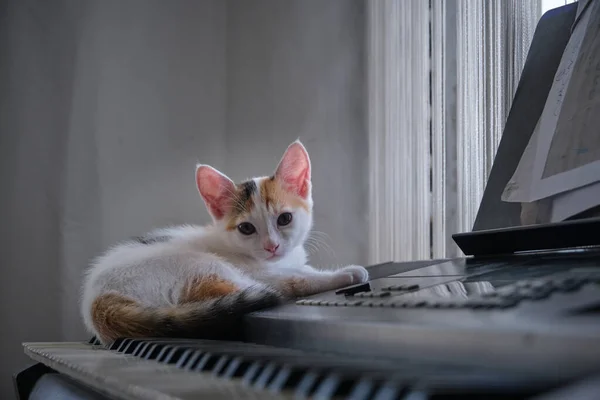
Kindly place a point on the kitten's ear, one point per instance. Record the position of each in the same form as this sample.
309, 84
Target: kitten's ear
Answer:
294, 170
216, 190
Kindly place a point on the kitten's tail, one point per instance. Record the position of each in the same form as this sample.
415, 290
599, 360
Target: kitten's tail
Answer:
115, 316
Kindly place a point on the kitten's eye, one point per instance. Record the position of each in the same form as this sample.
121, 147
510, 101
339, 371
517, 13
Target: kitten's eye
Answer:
246, 228
284, 219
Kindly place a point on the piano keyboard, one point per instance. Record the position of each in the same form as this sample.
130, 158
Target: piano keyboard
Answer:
152, 369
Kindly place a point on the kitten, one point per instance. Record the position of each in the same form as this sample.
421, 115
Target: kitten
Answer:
192, 281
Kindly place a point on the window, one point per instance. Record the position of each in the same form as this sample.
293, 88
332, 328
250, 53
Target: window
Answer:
442, 75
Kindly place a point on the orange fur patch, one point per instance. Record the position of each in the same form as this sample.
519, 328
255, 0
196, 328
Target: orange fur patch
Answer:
206, 287
295, 287
116, 316
274, 195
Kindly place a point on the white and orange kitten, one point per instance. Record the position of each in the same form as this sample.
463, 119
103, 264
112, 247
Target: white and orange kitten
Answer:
193, 281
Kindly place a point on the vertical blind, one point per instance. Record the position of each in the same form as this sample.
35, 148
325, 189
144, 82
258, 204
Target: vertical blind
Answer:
441, 78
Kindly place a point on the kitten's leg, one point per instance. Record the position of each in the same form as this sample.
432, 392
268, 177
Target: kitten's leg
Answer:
306, 280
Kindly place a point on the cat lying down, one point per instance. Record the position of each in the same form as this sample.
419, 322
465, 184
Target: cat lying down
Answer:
197, 281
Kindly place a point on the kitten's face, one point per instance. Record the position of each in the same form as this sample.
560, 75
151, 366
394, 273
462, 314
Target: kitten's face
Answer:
265, 217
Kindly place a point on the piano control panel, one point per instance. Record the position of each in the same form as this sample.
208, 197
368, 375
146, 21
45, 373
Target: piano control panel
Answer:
529, 313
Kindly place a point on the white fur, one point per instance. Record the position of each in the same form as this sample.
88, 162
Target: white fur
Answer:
154, 274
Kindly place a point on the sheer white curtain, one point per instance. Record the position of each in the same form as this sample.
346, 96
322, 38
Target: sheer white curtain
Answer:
441, 77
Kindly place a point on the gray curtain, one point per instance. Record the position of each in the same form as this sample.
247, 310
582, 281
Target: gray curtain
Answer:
106, 106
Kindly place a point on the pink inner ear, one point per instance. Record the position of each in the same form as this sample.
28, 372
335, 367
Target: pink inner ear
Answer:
294, 170
216, 190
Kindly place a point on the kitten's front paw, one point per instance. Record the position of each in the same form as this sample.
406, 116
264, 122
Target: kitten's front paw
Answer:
356, 273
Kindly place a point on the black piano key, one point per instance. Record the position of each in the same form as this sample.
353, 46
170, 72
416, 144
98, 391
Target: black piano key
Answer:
131, 346
146, 350
184, 358
116, 344
140, 349
327, 387
265, 376
252, 372
220, 365
124, 343
306, 384
192, 361
238, 369
387, 391
232, 367
136, 348
362, 390
207, 362
153, 352
282, 376
163, 353
175, 354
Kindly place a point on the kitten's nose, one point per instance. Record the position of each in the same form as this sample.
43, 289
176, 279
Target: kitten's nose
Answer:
271, 248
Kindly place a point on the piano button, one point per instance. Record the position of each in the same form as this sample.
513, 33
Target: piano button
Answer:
353, 290
306, 384
410, 287
352, 303
301, 302
363, 295
381, 294
327, 387
184, 357
251, 373
220, 365
361, 390
416, 303
432, 304
265, 376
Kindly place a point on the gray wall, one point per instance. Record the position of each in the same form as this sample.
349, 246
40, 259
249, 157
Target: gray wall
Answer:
295, 69
105, 107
